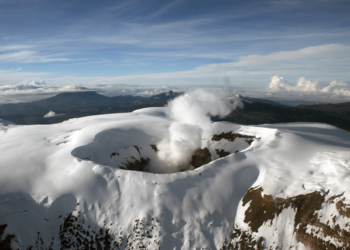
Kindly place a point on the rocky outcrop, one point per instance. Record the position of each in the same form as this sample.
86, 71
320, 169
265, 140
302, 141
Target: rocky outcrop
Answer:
5, 239
309, 226
200, 157
230, 136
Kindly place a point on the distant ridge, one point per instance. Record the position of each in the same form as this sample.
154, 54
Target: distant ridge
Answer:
250, 99
254, 111
339, 108
85, 99
260, 111
78, 104
68, 100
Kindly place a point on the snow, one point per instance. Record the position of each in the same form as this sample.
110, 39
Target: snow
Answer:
313, 230
305, 157
51, 114
45, 174
286, 237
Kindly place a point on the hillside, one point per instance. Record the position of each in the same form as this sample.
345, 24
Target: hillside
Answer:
257, 112
341, 109
78, 104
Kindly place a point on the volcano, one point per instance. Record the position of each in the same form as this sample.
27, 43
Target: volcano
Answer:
97, 183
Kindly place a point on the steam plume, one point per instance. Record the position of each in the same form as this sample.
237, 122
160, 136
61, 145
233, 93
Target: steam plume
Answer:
191, 126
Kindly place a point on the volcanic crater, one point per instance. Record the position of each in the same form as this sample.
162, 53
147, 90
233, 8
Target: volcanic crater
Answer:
143, 157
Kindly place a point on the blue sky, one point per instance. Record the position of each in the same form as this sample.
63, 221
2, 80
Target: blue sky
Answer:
201, 42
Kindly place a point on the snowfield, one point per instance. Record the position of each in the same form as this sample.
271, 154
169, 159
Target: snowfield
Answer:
69, 186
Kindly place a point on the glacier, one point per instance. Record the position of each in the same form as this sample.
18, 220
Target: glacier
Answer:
66, 186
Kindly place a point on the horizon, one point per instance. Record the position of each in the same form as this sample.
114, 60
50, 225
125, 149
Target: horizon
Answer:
291, 50
174, 124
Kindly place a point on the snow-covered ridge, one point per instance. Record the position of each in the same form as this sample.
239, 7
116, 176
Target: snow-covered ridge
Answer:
51, 195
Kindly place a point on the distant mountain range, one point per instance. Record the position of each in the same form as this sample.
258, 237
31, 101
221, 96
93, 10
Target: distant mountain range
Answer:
78, 104
260, 111
254, 111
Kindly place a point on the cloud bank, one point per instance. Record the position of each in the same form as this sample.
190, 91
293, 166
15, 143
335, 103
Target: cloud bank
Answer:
38, 87
336, 88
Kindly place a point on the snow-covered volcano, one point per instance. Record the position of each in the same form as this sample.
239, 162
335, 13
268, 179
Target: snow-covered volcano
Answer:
73, 185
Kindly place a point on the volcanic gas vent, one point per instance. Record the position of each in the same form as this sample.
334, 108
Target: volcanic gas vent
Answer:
138, 151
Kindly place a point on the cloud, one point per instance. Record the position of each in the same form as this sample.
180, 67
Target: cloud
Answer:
28, 56
333, 86
322, 55
38, 87
51, 114
15, 47
278, 84
150, 92
320, 60
15, 76
325, 62
337, 88
303, 85
191, 125
322, 63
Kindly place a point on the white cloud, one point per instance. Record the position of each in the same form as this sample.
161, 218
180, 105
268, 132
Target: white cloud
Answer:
15, 76
326, 62
303, 85
15, 47
278, 84
322, 55
322, 63
341, 91
38, 87
334, 86
50, 114
37, 84
29, 56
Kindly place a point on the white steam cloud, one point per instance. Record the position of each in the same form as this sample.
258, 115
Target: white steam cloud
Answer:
278, 84
191, 126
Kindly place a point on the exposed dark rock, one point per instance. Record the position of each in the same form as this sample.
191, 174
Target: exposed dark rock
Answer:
114, 154
264, 208
154, 147
138, 149
200, 157
5, 240
230, 136
74, 236
136, 165
222, 153
244, 241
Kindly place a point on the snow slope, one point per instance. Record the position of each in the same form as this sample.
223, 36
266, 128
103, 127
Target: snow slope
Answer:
62, 185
